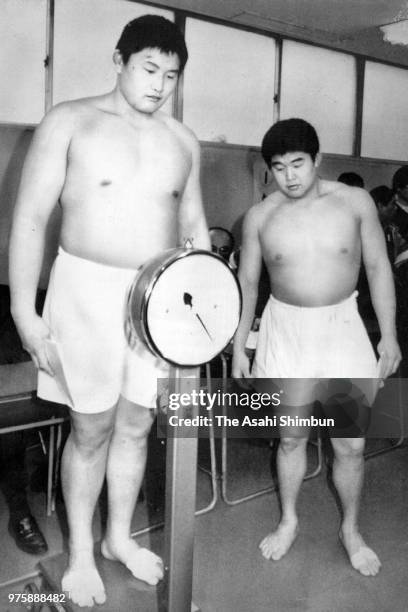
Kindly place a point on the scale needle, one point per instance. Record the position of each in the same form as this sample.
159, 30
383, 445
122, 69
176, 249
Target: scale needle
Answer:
188, 300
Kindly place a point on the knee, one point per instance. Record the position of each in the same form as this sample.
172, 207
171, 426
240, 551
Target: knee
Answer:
136, 426
349, 448
289, 445
89, 437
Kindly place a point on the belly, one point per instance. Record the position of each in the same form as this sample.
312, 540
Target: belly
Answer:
314, 287
126, 238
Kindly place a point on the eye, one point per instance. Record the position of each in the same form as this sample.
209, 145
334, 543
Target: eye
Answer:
149, 71
171, 77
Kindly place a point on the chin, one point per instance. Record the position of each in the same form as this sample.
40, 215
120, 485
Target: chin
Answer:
295, 195
145, 110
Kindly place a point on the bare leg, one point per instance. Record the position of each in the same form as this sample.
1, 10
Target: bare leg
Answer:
348, 471
83, 471
291, 464
125, 470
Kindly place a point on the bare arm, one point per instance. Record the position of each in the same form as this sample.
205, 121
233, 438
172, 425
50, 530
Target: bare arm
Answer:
40, 187
381, 283
192, 222
249, 272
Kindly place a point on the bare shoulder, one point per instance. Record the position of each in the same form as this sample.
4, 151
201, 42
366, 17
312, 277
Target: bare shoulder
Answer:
64, 117
257, 214
182, 132
357, 199
57, 120
268, 206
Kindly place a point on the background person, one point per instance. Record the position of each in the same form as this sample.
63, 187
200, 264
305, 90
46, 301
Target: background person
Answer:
352, 179
222, 241
398, 239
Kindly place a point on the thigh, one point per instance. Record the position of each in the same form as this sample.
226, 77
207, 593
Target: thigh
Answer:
298, 398
145, 377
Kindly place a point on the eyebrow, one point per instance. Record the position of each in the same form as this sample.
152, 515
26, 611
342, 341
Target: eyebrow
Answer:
292, 161
154, 65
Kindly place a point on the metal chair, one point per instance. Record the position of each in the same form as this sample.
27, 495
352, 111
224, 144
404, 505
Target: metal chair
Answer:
224, 467
21, 412
212, 473
398, 418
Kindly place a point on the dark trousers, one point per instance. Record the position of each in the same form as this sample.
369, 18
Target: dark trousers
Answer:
13, 473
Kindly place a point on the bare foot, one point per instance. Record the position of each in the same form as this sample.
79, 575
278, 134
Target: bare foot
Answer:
82, 581
362, 558
277, 544
143, 564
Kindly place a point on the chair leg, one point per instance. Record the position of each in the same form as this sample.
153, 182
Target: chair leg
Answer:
224, 470
272, 488
212, 472
400, 419
319, 465
50, 469
57, 463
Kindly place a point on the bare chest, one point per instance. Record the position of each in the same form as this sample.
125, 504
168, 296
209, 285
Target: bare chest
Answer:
309, 236
116, 159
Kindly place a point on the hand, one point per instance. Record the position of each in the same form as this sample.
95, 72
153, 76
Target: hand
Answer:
240, 365
33, 333
390, 355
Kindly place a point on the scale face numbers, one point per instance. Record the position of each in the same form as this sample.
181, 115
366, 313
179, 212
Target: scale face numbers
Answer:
191, 309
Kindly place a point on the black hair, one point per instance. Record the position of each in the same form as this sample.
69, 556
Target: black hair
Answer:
381, 194
222, 230
400, 178
351, 178
155, 32
288, 136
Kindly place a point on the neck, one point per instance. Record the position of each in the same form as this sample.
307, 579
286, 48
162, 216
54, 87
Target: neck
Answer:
313, 193
121, 107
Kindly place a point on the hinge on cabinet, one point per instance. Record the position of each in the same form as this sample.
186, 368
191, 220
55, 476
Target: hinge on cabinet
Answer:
47, 61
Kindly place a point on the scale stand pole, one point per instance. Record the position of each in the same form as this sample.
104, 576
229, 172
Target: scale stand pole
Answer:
181, 477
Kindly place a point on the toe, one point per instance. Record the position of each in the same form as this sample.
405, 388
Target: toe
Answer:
100, 598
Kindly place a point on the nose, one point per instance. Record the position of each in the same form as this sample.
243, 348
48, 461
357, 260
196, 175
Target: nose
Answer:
158, 83
289, 173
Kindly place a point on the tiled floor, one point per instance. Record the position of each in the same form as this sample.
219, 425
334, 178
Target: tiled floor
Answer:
229, 573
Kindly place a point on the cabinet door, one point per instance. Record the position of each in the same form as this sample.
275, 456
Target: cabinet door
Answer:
85, 37
23, 50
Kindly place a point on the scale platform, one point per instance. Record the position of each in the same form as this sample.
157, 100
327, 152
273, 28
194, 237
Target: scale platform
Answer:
124, 592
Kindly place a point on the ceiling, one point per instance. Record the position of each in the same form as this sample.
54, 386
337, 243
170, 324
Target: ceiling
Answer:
339, 17
349, 25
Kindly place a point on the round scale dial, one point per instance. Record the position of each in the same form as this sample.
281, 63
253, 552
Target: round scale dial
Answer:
190, 307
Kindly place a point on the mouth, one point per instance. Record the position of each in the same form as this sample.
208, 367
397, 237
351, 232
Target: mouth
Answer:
154, 98
293, 187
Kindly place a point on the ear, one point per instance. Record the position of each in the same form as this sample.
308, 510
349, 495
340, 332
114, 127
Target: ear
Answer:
117, 61
318, 160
